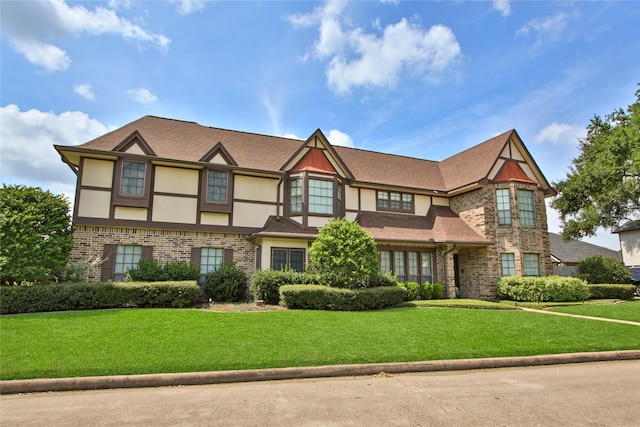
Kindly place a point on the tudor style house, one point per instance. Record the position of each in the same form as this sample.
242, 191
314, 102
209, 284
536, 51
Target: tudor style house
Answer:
178, 191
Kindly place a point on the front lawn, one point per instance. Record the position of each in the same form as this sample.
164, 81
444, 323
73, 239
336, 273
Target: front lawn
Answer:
627, 310
137, 341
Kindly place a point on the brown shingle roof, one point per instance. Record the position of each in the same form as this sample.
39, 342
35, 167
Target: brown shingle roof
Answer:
440, 225
190, 142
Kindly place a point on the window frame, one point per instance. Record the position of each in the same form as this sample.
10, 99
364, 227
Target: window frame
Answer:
287, 263
511, 268
527, 208
503, 208
207, 205
203, 250
527, 266
126, 265
395, 201
299, 200
131, 200
390, 259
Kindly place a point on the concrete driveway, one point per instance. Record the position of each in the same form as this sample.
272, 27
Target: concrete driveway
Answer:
598, 394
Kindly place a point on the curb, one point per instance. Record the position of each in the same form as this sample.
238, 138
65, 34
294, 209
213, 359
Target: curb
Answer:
221, 377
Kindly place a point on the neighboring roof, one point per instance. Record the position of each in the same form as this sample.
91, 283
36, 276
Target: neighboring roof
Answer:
440, 225
574, 251
177, 140
629, 226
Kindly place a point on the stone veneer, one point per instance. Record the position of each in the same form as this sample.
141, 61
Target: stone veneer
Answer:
168, 245
481, 267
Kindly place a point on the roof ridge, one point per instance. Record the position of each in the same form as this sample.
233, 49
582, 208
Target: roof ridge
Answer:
477, 145
386, 154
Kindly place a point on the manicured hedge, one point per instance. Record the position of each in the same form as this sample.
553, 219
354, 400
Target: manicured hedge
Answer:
318, 297
604, 291
265, 284
88, 296
422, 291
541, 289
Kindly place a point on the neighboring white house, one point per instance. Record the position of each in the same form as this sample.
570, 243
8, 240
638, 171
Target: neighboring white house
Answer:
629, 235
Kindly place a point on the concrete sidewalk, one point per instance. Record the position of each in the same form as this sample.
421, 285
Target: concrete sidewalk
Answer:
219, 377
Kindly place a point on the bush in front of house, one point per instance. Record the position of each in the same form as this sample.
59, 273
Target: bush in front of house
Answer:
344, 255
542, 289
605, 291
265, 284
423, 291
228, 283
598, 269
151, 270
320, 297
91, 296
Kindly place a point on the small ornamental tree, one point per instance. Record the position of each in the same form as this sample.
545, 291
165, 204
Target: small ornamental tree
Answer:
35, 234
344, 255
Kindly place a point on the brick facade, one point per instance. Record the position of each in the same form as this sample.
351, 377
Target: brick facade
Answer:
168, 245
479, 268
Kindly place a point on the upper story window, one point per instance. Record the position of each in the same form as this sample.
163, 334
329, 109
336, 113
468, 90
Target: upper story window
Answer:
296, 195
320, 197
133, 176
395, 201
217, 186
309, 195
504, 206
527, 208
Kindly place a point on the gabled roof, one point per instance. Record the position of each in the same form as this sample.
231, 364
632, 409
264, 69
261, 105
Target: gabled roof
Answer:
183, 141
574, 251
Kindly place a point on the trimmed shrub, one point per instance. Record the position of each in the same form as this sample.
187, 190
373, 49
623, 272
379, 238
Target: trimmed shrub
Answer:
319, 297
91, 296
542, 289
598, 269
265, 284
431, 291
412, 290
380, 279
150, 270
423, 291
604, 291
228, 283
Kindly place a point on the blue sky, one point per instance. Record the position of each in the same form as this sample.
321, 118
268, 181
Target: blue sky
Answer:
419, 78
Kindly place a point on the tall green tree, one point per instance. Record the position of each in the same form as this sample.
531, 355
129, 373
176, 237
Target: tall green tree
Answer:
602, 188
35, 234
344, 254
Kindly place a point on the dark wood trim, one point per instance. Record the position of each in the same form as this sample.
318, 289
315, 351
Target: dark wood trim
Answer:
390, 209
127, 200
126, 223
215, 207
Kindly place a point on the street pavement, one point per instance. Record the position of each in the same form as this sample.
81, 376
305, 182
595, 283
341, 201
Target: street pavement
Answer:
581, 394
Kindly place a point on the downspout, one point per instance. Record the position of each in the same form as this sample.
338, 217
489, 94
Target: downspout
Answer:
446, 270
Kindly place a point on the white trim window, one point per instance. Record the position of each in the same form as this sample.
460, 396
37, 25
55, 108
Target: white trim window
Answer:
504, 206
508, 263
127, 258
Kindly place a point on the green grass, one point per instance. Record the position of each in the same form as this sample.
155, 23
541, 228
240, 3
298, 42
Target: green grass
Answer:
628, 310
138, 341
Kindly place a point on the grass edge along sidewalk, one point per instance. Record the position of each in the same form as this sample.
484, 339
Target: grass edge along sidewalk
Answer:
252, 375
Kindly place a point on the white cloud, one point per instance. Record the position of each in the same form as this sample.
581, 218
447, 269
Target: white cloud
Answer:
547, 29
28, 156
560, 133
84, 90
337, 137
357, 58
186, 7
29, 26
143, 96
502, 6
